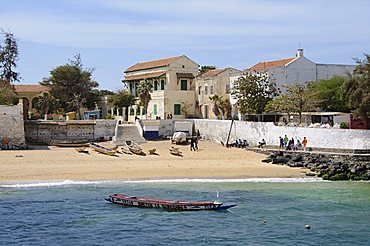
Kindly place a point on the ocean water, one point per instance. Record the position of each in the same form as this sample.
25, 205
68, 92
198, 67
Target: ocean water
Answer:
269, 212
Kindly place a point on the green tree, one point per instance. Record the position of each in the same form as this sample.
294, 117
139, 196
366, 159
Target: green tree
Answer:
204, 69
216, 100
299, 99
71, 84
122, 98
281, 104
221, 107
45, 103
328, 94
356, 90
9, 58
144, 89
7, 95
253, 91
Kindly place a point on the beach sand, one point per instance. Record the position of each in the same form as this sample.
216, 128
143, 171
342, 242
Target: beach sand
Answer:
210, 161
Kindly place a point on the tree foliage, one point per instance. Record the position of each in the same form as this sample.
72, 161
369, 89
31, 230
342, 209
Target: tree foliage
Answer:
204, 69
253, 91
328, 94
144, 89
356, 90
95, 96
45, 104
71, 84
221, 107
9, 58
7, 95
122, 98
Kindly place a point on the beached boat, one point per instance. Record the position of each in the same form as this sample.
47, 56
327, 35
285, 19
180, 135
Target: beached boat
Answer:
102, 149
81, 149
134, 147
175, 151
76, 145
171, 205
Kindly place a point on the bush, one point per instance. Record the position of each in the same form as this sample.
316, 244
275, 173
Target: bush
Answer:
343, 125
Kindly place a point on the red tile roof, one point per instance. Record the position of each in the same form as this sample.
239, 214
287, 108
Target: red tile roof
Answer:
270, 64
30, 88
210, 73
144, 76
152, 64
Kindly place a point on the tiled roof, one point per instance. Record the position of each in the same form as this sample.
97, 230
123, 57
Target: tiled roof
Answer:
270, 64
144, 76
30, 88
210, 73
152, 64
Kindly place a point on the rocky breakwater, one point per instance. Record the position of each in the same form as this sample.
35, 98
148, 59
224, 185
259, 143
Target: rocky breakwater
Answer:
326, 166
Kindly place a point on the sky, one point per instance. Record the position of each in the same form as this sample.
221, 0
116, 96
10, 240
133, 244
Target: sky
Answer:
112, 35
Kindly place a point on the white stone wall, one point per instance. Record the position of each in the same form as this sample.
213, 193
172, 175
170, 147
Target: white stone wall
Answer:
327, 71
217, 130
11, 124
104, 129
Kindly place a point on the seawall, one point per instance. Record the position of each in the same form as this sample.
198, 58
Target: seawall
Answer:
318, 138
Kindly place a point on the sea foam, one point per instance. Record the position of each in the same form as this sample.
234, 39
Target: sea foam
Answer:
29, 184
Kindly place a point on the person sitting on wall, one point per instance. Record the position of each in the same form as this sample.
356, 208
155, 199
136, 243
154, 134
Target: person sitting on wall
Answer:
262, 143
298, 145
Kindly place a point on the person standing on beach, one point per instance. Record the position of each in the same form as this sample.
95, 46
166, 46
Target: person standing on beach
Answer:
281, 140
286, 139
192, 144
304, 143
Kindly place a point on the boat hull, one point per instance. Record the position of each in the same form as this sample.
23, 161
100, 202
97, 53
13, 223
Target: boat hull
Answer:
102, 149
168, 205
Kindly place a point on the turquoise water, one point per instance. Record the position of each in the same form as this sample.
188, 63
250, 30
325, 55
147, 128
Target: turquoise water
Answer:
75, 213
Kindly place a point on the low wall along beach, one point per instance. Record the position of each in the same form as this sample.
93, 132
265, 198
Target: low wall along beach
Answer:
253, 132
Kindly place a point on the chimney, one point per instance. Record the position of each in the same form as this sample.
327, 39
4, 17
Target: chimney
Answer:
299, 52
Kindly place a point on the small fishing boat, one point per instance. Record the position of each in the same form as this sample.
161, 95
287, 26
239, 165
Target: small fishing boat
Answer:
81, 149
170, 205
152, 151
134, 147
76, 145
175, 151
102, 149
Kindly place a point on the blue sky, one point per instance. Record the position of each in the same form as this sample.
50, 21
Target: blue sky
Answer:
112, 35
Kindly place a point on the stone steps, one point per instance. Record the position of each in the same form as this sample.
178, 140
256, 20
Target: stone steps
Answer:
127, 132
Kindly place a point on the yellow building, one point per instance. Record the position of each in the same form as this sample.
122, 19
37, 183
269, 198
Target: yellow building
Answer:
173, 87
28, 96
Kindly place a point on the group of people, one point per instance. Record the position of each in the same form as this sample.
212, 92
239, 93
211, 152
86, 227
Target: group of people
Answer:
289, 144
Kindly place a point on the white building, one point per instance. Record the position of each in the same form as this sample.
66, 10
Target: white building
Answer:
288, 71
299, 69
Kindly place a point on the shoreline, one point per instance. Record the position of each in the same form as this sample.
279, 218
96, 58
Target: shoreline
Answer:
211, 161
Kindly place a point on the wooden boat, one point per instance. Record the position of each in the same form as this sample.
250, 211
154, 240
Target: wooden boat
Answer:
102, 149
170, 205
72, 145
175, 151
152, 151
81, 149
134, 147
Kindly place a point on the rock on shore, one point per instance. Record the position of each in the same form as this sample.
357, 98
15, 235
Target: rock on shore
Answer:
328, 167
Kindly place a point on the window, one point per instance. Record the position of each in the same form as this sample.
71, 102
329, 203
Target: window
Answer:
205, 90
162, 84
227, 88
211, 90
184, 85
155, 85
183, 66
177, 109
155, 111
200, 89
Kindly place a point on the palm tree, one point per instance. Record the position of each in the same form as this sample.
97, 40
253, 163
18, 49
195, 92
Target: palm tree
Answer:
45, 100
144, 89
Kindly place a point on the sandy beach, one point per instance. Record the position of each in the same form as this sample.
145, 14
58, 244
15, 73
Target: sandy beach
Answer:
210, 161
